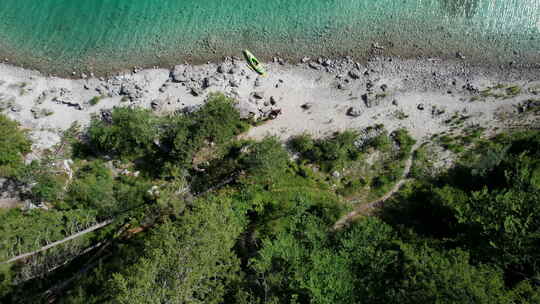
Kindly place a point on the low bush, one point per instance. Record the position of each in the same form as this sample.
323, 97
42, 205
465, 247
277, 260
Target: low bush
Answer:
14, 143
330, 153
130, 135
216, 122
92, 188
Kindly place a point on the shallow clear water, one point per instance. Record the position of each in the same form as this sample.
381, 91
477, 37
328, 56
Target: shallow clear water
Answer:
61, 35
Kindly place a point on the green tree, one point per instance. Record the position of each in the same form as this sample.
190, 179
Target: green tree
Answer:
92, 188
130, 135
13, 145
189, 261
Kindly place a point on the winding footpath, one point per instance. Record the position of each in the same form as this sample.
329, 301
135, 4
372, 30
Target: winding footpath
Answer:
368, 208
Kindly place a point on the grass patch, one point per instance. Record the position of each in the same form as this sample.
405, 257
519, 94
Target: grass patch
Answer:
95, 100
399, 114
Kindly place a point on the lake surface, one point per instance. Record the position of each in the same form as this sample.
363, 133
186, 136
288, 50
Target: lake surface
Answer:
106, 35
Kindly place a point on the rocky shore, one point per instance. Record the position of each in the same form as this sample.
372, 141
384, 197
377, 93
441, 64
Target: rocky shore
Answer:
316, 95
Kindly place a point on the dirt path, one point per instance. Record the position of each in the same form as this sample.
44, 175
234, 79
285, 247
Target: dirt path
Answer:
367, 209
71, 237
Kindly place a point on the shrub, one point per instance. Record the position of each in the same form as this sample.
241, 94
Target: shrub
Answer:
92, 188
266, 159
330, 153
49, 187
217, 122
13, 144
404, 141
95, 100
130, 135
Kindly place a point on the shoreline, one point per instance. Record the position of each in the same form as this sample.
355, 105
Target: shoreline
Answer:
318, 96
100, 65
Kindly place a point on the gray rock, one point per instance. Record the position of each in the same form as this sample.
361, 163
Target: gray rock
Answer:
273, 101
354, 74
327, 63
16, 108
157, 104
367, 135
234, 70
377, 46
460, 55
305, 59
196, 91
180, 73
6, 101
307, 106
258, 82
394, 102
191, 109
314, 65
354, 111
258, 94
247, 110
235, 83
41, 112
370, 101
42, 97
529, 105
207, 82
343, 86
132, 90
535, 90
369, 85
436, 111
106, 115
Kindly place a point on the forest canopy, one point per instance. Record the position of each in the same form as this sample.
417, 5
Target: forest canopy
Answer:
198, 215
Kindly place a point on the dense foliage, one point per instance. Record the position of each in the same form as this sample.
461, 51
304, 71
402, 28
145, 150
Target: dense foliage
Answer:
13, 145
165, 142
204, 218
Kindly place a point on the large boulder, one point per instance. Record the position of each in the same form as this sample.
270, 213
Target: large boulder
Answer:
354, 111
247, 109
180, 73
132, 90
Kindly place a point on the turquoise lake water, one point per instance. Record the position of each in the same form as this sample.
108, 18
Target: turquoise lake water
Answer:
105, 35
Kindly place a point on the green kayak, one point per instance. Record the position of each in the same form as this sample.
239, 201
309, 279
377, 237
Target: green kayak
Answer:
254, 63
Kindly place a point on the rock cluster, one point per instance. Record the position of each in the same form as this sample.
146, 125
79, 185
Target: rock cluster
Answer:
66, 97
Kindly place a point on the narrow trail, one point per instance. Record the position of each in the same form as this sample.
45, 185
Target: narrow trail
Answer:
54, 244
367, 209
